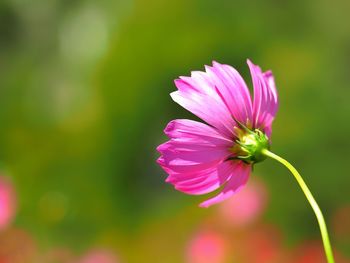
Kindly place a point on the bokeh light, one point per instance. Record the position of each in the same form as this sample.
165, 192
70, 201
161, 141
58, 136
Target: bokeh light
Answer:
8, 202
207, 247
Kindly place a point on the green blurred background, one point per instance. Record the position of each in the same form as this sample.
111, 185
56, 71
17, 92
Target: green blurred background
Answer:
84, 97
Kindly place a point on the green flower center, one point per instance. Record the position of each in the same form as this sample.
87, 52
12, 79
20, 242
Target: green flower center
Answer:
250, 144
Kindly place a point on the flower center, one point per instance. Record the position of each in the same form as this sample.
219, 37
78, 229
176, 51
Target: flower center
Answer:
249, 145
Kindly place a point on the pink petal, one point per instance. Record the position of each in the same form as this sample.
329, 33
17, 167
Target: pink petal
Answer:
193, 147
189, 129
215, 96
207, 246
202, 182
265, 103
232, 90
239, 177
207, 108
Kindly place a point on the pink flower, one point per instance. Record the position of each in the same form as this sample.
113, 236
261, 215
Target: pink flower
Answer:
312, 252
246, 207
207, 247
99, 256
7, 202
201, 158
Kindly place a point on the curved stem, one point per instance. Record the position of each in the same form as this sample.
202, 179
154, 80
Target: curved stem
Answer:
310, 198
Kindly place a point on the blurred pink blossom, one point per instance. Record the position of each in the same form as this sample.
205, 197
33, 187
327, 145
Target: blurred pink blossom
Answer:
341, 223
7, 202
246, 206
262, 245
17, 246
312, 252
99, 256
207, 247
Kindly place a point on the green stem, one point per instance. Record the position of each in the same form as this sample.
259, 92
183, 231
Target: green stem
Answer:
310, 198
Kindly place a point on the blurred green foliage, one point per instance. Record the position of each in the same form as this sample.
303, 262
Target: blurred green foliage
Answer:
84, 98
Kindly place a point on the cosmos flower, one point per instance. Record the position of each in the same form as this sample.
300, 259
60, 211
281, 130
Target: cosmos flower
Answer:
200, 158
7, 202
207, 246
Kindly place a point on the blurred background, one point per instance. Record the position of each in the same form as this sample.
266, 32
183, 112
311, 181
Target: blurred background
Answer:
84, 99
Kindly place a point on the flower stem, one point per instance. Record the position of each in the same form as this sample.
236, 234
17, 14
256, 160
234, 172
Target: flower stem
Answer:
310, 198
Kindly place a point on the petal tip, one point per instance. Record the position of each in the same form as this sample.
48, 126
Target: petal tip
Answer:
170, 127
217, 65
251, 64
174, 95
203, 205
160, 161
178, 82
268, 74
161, 148
168, 180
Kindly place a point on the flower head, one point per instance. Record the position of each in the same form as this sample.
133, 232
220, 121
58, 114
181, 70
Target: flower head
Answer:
200, 158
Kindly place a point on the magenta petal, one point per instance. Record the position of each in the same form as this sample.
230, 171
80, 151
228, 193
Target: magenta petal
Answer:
207, 108
232, 89
204, 94
265, 103
237, 180
189, 129
180, 153
202, 182
193, 147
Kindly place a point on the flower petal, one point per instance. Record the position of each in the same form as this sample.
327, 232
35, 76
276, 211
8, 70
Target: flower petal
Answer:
239, 177
203, 181
215, 96
193, 147
265, 103
207, 108
232, 89
183, 128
